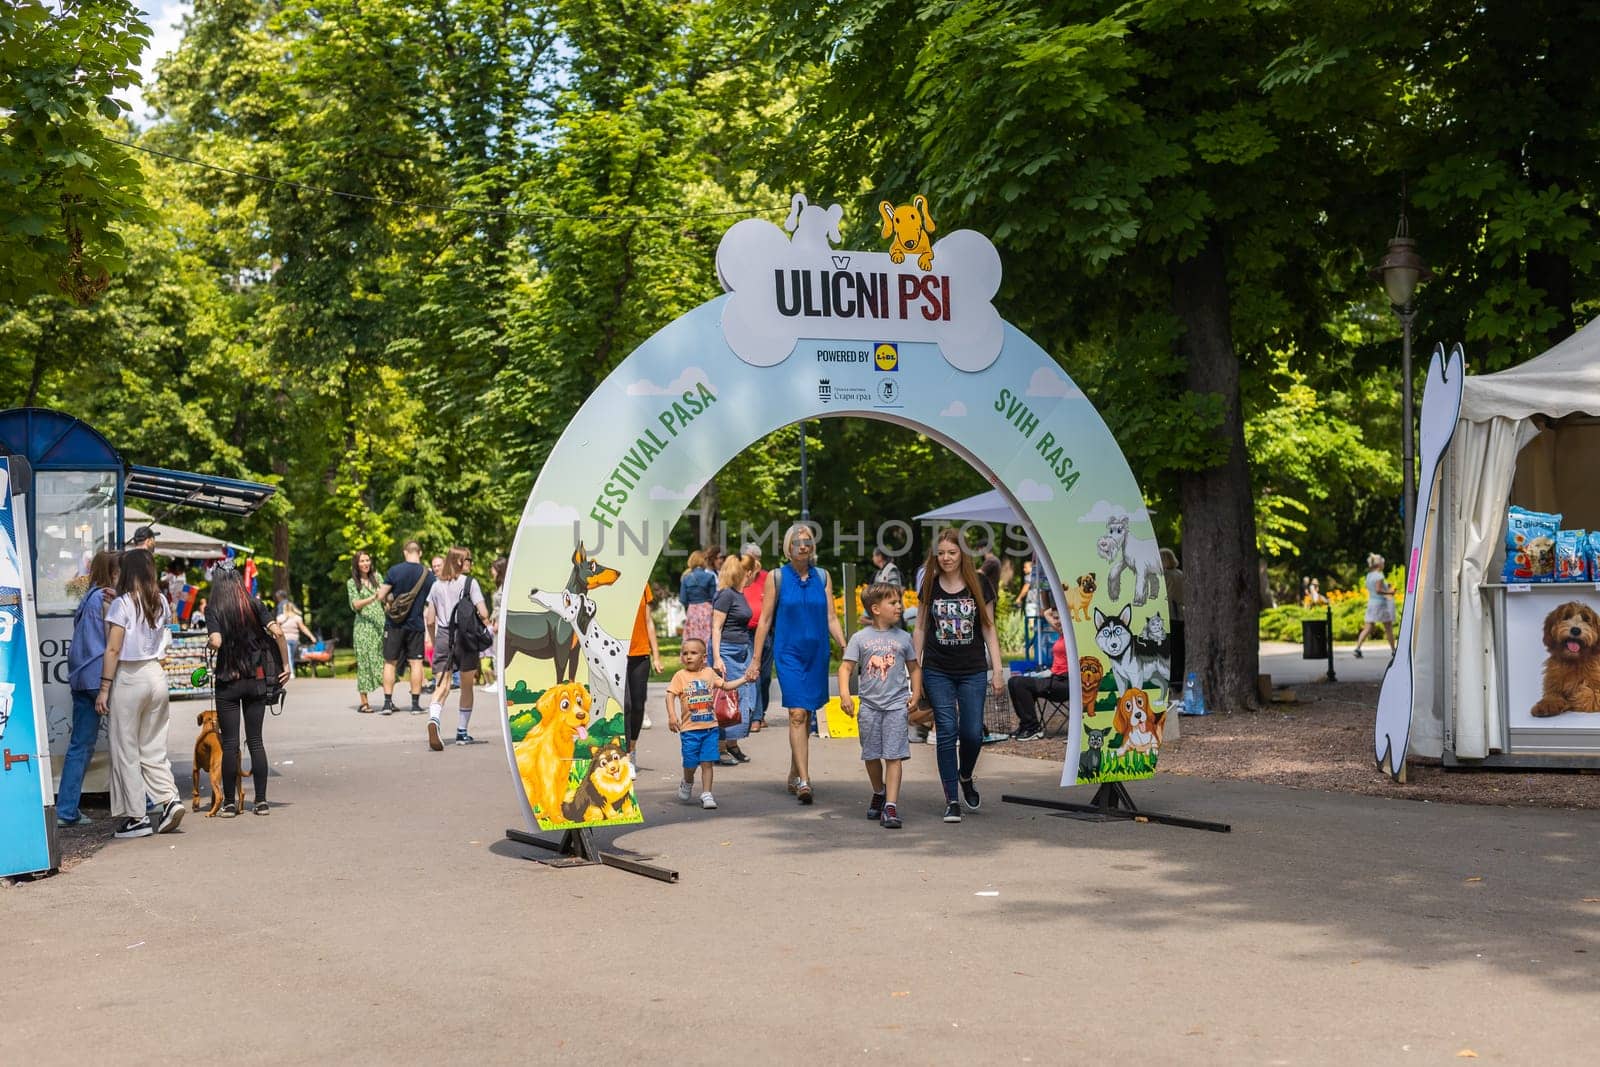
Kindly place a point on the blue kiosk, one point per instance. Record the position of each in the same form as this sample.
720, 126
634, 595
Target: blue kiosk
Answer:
74, 483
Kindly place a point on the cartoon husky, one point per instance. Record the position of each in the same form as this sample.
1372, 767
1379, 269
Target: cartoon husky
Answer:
1131, 668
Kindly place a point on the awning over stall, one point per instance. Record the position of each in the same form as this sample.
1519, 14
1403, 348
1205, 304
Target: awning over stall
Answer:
230, 495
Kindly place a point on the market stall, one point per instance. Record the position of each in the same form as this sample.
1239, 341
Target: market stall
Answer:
1527, 438
76, 485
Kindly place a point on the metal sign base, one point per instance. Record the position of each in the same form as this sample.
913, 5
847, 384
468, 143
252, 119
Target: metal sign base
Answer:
1112, 801
577, 849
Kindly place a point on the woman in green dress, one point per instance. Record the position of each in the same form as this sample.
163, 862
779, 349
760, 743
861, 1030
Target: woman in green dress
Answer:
363, 590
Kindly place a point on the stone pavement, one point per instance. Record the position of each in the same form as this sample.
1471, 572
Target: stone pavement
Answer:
378, 916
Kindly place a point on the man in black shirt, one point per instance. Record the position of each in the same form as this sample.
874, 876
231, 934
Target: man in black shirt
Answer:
405, 586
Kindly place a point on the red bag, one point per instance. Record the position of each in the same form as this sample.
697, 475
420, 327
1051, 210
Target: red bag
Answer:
726, 708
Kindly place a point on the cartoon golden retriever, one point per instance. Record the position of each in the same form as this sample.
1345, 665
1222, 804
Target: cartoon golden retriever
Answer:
545, 754
1572, 671
909, 225
1140, 728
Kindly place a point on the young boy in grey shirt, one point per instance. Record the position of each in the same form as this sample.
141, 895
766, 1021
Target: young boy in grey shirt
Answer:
891, 685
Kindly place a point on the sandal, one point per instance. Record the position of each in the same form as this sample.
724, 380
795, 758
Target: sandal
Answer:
794, 785
804, 793
738, 753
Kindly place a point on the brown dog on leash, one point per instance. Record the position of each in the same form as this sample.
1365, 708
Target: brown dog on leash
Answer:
208, 754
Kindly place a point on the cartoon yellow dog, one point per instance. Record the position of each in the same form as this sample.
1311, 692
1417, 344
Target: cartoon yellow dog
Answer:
909, 225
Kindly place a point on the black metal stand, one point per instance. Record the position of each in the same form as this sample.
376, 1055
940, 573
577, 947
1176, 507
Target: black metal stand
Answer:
577, 849
1111, 801
1331, 676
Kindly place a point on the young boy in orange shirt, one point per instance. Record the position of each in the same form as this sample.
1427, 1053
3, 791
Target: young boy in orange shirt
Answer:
691, 699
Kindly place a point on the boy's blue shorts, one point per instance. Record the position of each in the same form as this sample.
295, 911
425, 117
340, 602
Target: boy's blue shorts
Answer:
699, 746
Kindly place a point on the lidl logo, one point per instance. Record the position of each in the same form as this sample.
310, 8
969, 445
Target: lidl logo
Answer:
887, 356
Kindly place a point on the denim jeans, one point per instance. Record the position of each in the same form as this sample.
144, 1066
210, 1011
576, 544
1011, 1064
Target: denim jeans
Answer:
957, 701
85, 732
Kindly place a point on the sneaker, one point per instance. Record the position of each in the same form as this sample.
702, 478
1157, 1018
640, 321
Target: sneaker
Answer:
708, 802
969, 793
646, 724
229, 810
79, 820
171, 816
803, 791
261, 807
685, 791
890, 820
464, 738
952, 812
932, 738
387, 709
417, 709
433, 736
134, 828
875, 805
1034, 734
1357, 653
726, 760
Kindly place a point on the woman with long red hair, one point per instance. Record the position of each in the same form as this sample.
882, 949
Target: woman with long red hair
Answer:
954, 631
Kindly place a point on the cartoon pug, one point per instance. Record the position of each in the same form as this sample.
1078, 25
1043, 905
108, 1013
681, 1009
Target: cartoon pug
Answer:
1080, 597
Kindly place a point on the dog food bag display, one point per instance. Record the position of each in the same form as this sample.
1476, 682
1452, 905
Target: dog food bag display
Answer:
1572, 564
1530, 546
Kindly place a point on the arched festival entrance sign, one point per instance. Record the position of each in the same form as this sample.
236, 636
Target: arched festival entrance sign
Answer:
806, 330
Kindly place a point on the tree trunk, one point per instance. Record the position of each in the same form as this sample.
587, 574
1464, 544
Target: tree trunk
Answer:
1222, 586
710, 511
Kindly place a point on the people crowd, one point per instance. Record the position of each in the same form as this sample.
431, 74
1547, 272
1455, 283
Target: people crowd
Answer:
745, 626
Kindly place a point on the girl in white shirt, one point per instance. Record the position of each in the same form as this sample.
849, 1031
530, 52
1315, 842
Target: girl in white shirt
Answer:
133, 693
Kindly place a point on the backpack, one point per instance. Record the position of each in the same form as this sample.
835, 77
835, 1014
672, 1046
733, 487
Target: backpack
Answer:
399, 607
467, 631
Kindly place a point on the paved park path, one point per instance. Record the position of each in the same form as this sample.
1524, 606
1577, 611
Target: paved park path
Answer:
378, 916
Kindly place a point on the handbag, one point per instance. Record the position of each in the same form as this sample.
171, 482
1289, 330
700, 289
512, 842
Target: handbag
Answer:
726, 708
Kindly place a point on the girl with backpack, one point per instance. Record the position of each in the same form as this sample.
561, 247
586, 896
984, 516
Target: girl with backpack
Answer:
252, 664
453, 602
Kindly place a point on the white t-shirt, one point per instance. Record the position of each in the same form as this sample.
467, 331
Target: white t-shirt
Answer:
290, 624
442, 598
143, 641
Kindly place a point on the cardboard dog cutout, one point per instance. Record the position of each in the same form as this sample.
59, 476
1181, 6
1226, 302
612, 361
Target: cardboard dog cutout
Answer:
807, 330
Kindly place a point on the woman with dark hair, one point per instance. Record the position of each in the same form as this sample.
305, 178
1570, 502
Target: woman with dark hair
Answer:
954, 628
252, 661
133, 692
362, 589
84, 663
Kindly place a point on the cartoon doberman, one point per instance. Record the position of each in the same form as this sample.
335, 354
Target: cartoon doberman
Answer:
543, 634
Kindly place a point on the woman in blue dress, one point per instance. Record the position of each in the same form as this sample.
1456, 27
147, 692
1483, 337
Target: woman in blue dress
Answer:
797, 609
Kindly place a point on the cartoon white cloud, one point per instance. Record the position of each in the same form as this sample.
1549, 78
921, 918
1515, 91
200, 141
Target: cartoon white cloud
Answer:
1029, 491
691, 377
549, 513
688, 492
1105, 509
1047, 382
956, 410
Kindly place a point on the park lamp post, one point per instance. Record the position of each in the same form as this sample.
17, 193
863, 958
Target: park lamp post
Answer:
1401, 271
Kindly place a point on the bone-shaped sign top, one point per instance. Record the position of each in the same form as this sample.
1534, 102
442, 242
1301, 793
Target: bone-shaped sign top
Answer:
783, 290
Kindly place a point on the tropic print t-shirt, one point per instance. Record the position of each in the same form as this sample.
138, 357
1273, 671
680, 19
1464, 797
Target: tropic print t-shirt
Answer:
954, 643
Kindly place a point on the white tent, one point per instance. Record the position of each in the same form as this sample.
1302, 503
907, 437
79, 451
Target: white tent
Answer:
1527, 435
985, 507
174, 541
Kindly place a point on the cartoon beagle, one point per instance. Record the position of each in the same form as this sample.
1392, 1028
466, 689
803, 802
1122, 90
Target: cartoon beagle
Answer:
909, 225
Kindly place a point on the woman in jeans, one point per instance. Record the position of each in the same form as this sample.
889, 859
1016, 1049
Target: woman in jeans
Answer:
696, 590
133, 692
252, 660
84, 661
730, 652
954, 630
